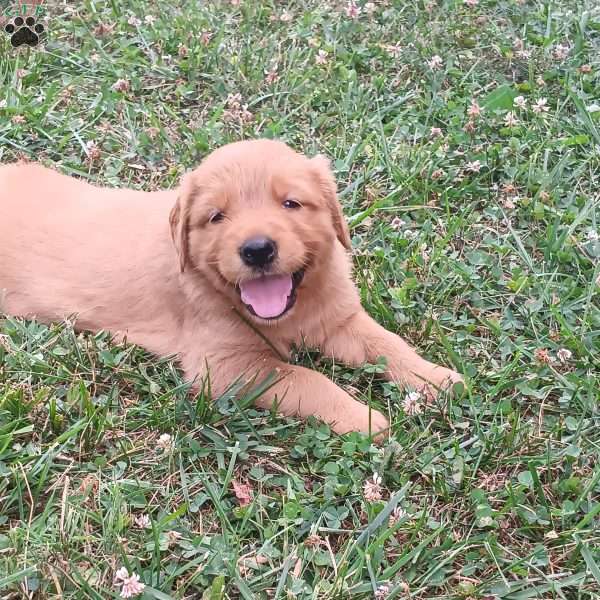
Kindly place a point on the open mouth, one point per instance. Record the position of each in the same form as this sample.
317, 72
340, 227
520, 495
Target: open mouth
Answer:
270, 296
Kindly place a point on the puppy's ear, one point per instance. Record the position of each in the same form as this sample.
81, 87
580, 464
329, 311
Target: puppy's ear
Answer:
322, 169
179, 220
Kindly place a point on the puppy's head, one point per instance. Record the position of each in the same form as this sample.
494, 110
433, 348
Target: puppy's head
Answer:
256, 218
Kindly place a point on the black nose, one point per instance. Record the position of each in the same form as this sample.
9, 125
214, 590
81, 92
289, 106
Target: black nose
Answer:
258, 252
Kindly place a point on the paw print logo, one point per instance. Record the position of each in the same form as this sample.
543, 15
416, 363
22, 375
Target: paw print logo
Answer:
24, 31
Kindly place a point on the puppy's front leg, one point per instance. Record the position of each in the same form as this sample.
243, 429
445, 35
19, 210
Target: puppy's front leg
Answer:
302, 392
297, 392
361, 339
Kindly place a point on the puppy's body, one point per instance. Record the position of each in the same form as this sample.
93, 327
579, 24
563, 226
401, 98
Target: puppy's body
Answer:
167, 270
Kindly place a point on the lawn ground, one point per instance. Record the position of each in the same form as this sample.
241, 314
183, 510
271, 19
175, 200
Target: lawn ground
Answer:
466, 141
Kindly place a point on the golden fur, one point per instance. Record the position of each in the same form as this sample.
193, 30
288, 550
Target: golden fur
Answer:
163, 268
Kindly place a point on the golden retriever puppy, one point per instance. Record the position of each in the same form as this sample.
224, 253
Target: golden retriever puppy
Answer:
248, 257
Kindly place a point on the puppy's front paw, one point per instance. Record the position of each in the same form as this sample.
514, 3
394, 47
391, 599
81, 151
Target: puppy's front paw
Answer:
431, 379
445, 378
364, 420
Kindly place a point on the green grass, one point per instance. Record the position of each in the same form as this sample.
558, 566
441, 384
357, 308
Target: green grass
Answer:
492, 495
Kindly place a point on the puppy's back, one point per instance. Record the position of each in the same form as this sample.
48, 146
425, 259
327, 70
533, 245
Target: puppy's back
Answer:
68, 247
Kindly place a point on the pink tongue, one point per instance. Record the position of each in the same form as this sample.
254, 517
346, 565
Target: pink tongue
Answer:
267, 295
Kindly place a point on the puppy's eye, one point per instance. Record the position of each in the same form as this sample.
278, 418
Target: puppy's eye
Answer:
216, 217
291, 204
